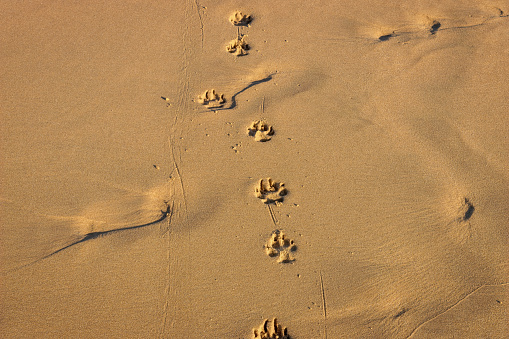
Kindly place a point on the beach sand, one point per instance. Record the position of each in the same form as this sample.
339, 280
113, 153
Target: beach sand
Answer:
344, 169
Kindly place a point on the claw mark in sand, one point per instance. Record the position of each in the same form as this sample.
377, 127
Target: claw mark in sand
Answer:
272, 216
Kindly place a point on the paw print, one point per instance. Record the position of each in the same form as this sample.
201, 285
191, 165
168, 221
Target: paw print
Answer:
280, 246
211, 99
240, 19
238, 46
260, 130
270, 191
270, 329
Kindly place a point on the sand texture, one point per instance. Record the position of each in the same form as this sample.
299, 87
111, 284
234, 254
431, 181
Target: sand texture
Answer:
254, 169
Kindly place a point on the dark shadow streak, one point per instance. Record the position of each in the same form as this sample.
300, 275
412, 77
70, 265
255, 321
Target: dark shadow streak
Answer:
251, 84
434, 28
386, 37
95, 235
400, 313
469, 211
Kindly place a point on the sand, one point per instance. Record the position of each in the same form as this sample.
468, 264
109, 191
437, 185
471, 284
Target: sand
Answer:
177, 170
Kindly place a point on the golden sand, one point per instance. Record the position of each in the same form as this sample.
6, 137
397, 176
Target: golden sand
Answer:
376, 205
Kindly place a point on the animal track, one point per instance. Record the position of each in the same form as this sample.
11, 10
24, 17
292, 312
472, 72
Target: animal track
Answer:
212, 99
240, 19
270, 329
238, 46
280, 246
270, 191
260, 130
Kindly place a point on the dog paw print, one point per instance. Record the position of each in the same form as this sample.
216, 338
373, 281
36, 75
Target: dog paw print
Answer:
211, 99
240, 19
260, 130
271, 329
270, 191
238, 46
281, 247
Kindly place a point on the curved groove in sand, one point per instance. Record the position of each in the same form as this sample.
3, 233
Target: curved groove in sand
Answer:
251, 84
452, 306
94, 235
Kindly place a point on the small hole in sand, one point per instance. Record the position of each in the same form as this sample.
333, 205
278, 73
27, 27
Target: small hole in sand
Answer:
436, 25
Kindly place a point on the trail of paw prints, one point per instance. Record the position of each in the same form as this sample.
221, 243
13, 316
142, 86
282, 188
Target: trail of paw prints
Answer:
260, 130
212, 99
271, 329
270, 191
239, 45
280, 246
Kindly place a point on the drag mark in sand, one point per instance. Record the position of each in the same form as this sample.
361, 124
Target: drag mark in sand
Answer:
272, 215
168, 285
189, 41
251, 84
95, 235
451, 307
176, 167
201, 20
324, 305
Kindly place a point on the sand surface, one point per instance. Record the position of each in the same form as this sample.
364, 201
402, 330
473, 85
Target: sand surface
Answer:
131, 204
